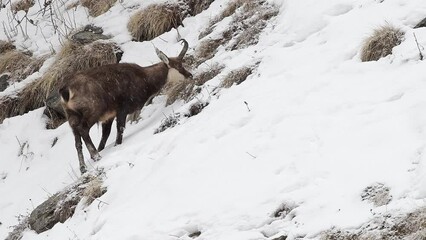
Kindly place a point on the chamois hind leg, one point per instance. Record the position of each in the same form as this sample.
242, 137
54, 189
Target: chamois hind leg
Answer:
106, 130
121, 124
78, 146
94, 154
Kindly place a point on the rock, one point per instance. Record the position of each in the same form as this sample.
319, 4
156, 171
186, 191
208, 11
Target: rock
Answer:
57, 208
4, 82
54, 111
421, 24
378, 194
53, 105
280, 238
61, 206
90, 33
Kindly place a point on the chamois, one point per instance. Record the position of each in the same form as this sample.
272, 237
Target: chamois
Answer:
112, 91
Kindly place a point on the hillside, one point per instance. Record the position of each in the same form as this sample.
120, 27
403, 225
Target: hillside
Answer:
296, 137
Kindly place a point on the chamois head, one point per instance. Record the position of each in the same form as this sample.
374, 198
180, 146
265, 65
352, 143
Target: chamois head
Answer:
175, 62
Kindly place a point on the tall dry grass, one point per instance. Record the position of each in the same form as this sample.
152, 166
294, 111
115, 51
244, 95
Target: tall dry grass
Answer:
22, 5
70, 59
154, 20
97, 7
381, 43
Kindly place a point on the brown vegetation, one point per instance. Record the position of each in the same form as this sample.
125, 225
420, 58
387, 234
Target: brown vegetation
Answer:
97, 7
381, 43
22, 5
154, 20
197, 6
244, 30
237, 76
6, 46
19, 65
209, 47
72, 58
253, 14
410, 226
187, 90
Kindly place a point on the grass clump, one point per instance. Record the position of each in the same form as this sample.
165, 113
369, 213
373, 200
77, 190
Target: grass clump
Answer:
409, 226
168, 122
378, 194
237, 76
197, 6
22, 5
249, 18
196, 108
6, 46
381, 43
19, 65
154, 20
186, 90
209, 47
19, 229
72, 58
97, 7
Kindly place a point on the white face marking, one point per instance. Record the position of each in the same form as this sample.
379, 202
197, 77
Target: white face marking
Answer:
174, 76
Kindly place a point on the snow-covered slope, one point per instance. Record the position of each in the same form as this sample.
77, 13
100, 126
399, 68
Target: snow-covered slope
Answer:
310, 129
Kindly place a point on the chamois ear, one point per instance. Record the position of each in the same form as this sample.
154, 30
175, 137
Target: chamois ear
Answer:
162, 56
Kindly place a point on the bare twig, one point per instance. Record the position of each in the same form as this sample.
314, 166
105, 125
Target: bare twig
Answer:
251, 155
418, 47
248, 108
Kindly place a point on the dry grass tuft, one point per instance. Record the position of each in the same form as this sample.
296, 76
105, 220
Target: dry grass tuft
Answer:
381, 43
196, 108
71, 59
378, 194
209, 47
18, 230
169, 122
183, 90
93, 190
208, 74
253, 16
19, 65
154, 20
22, 5
97, 7
197, 6
411, 226
249, 22
249, 18
6, 46
186, 90
237, 76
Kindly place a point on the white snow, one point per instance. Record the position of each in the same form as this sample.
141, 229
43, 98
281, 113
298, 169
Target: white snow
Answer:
322, 126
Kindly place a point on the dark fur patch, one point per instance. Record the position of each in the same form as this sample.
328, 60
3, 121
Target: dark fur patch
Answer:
65, 93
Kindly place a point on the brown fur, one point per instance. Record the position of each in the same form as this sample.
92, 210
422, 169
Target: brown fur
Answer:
114, 91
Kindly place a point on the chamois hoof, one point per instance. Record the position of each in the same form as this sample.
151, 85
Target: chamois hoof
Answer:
96, 157
83, 170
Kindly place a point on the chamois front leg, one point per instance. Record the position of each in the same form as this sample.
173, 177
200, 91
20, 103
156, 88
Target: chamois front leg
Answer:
94, 154
106, 130
121, 125
79, 147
